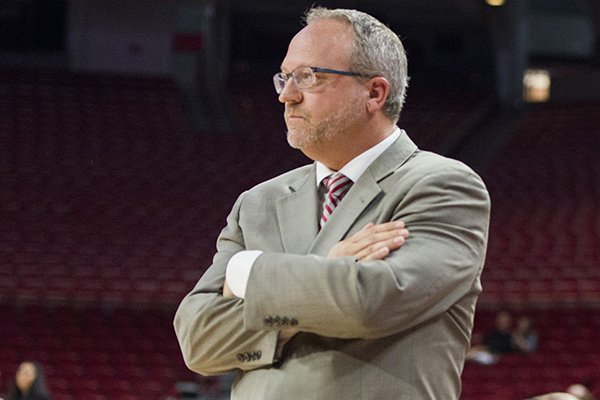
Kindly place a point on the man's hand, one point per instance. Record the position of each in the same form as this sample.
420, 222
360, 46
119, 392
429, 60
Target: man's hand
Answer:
373, 242
227, 291
285, 335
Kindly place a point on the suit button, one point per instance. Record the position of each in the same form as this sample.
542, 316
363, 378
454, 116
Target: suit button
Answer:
285, 321
240, 357
276, 321
258, 354
247, 356
268, 321
293, 322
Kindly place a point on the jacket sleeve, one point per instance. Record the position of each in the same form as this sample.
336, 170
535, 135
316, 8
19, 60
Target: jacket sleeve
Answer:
447, 214
210, 328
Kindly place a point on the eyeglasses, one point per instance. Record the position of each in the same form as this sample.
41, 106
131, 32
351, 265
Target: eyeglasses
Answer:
304, 77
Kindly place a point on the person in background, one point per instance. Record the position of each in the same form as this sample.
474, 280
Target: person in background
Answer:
554, 396
503, 339
499, 340
524, 337
495, 342
581, 391
30, 383
577, 391
318, 291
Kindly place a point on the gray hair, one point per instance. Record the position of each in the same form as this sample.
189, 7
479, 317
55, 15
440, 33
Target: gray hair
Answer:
376, 51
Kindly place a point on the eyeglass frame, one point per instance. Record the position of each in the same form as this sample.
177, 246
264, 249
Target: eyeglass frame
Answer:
286, 77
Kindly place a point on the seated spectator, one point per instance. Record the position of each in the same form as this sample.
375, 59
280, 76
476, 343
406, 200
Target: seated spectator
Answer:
581, 392
576, 391
497, 341
524, 337
29, 384
554, 396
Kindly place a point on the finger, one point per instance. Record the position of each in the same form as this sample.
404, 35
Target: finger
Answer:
370, 236
378, 254
383, 236
390, 225
370, 229
375, 251
372, 233
395, 243
385, 226
380, 250
367, 226
227, 291
377, 239
364, 232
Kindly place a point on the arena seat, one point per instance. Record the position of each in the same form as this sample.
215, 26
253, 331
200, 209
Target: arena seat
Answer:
110, 206
545, 189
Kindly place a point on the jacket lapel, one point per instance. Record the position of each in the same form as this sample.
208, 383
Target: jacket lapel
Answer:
347, 212
297, 214
361, 194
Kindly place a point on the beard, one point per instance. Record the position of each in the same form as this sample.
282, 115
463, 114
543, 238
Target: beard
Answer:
305, 133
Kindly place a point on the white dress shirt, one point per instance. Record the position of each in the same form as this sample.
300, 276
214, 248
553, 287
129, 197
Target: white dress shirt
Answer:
240, 265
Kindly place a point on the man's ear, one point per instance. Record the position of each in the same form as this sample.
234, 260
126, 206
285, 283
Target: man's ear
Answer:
378, 88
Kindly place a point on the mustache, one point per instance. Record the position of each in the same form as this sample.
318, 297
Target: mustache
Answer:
296, 112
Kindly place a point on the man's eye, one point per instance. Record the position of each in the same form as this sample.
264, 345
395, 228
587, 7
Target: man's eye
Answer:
304, 77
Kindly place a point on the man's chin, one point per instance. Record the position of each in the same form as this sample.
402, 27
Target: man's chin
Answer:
295, 139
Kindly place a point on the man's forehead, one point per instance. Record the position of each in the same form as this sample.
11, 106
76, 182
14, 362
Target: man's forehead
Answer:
321, 43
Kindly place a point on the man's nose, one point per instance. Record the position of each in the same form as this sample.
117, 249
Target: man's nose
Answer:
290, 93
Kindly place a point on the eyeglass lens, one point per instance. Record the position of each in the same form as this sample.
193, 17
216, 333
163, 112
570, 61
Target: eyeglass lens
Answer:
303, 77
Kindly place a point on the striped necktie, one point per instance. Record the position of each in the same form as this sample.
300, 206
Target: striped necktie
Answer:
337, 187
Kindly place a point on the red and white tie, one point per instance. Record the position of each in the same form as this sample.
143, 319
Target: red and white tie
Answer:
337, 187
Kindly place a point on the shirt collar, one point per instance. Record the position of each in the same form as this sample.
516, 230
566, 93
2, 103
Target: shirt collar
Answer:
355, 168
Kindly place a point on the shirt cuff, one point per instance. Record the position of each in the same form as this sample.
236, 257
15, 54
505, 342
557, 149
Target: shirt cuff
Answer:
238, 271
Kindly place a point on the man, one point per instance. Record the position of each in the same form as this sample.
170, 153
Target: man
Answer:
497, 341
577, 391
314, 297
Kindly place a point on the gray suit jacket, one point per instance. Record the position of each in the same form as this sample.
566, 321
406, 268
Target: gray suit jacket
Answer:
397, 328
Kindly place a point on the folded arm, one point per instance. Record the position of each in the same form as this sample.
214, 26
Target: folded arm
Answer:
447, 214
210, 326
